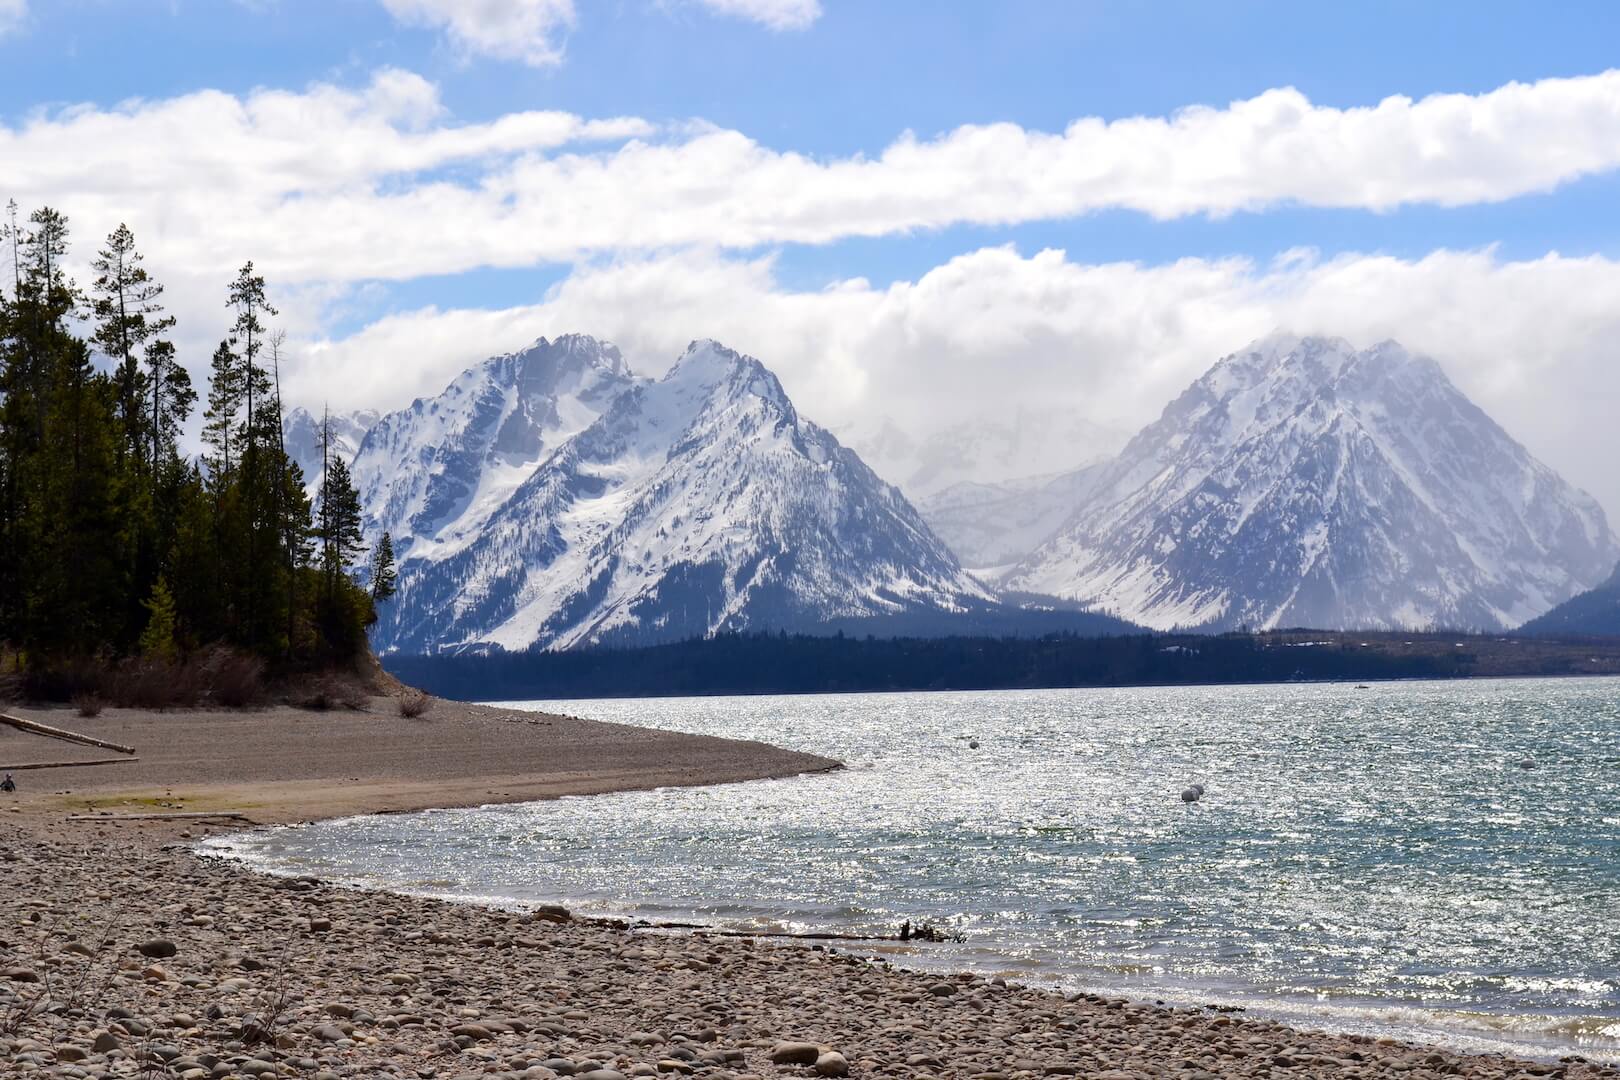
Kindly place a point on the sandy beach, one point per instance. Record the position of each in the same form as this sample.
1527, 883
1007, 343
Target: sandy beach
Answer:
122, 953
281, 764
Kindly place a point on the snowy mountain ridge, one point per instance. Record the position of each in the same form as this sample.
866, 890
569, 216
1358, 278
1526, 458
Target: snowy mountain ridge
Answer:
432, 474
1301, 482
301, 430
626, 510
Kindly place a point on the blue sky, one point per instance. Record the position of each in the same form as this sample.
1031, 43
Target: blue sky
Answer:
1148, 291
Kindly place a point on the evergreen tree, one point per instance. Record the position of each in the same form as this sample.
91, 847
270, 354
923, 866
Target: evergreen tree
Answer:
226, 388
129, 316
247, 297
383, 574
339, 523
158, 639
115, 543
170, 399
259, 476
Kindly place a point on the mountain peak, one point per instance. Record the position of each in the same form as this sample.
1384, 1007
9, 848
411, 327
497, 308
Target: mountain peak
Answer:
694, 504
1301, 482
709, 361
546, 361
436, 471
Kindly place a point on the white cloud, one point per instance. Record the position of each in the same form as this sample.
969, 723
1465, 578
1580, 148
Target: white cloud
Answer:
328, 184
12, 14
334, 184
773, 14
1531, 342
524, 30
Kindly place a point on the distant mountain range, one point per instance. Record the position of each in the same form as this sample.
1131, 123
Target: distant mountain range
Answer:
1301, 482
551, 498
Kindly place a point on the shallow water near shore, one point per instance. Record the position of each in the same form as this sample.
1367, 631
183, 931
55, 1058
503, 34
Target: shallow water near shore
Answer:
1370, 860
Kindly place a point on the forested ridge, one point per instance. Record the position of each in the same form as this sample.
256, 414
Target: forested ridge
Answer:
839, 663
122, 553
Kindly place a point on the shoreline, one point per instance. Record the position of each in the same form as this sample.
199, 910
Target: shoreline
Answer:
1300, 1013
1352, 682
372, 982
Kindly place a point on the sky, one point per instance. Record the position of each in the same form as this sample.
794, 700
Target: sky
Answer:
929, 213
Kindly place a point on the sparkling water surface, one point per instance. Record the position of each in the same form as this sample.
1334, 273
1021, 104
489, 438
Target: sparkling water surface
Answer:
1370, 860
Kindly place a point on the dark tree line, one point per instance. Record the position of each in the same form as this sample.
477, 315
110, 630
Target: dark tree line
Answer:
838, 663
114, 542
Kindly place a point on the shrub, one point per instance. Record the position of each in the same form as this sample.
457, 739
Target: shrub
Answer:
414, 703
316, 696
234, 679
87, 704
156, 684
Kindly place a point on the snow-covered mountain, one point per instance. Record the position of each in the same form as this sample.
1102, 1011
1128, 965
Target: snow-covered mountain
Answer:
991, 526
434, 473
1015, 451
1301, 482
550, 499
302, 431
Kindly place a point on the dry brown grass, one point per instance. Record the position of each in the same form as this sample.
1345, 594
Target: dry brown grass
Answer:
414, 703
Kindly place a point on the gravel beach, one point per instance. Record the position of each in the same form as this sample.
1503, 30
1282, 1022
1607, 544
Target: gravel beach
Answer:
122, 953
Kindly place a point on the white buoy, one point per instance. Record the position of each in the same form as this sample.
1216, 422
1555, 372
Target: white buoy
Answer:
1192, 794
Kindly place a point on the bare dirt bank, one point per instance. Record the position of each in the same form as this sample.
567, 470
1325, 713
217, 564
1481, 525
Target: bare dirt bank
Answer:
281, 765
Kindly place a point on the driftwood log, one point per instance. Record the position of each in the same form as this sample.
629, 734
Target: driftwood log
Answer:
34, 727
190, 815
67, 764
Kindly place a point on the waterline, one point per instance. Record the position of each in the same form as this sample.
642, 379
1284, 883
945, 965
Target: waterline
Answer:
1368, 860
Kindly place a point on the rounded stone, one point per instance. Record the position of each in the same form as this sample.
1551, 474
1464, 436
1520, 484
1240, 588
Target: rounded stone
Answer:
832, 1063
795, 1053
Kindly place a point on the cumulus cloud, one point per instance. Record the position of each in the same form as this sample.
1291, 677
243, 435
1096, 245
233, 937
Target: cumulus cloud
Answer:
523, 30
773, 14
995, 330
378, 182
318, 185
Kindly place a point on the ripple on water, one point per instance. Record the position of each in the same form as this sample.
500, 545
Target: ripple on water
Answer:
1372, 861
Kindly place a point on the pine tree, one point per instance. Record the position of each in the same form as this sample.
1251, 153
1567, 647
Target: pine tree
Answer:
225, 392
383, 575
170, 399
247, 297
158, 639
129, 315
113, 542
339, 522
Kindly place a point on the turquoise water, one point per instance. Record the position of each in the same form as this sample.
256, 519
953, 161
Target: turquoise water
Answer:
1364, 859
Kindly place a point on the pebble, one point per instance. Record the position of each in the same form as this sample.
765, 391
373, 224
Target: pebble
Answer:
412, 989
832, 1063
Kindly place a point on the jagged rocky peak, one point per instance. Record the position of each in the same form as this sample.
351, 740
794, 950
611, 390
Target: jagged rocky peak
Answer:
544, 363
1301, 481
437, 469
692, 504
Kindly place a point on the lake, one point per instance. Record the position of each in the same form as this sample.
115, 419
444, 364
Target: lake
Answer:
1363, 859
